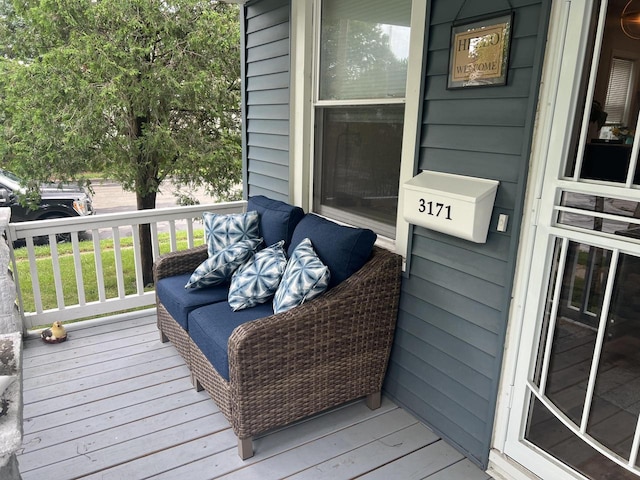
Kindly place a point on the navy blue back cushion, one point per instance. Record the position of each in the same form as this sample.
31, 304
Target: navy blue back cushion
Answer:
211, 326
180, 301
343, 249
277, 219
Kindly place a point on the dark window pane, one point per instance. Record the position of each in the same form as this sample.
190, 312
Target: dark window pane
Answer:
358, 162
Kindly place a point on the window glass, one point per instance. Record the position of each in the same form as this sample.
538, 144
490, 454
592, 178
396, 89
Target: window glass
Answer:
360, 168
364, 49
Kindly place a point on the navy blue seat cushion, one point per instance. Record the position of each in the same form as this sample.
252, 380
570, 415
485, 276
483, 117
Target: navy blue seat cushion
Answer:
277, 219
179, 301
211, 326
343, 249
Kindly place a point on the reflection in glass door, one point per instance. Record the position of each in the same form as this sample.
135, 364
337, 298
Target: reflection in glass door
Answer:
581, 399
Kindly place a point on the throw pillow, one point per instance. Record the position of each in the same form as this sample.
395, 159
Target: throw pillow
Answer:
223, 230
220, 266
304, 278
257, 280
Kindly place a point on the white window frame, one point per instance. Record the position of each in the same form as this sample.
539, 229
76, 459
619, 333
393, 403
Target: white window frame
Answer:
305, 36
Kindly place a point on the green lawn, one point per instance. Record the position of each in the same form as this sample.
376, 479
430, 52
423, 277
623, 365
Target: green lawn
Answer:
67, 269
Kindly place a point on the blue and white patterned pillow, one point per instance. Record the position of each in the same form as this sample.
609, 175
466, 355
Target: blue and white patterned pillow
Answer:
305, 278
223, 230
257, 280
218, 268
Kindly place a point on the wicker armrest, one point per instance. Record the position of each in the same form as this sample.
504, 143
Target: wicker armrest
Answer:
176, 263
322, 353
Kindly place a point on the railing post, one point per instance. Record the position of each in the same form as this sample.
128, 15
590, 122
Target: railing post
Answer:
9, 317
10, 361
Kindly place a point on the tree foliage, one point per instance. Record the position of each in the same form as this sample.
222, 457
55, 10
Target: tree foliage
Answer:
141, 90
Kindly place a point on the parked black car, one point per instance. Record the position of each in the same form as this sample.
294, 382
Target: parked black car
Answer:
55, 202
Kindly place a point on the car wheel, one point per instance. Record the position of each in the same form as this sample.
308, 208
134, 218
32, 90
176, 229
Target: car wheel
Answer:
60, 237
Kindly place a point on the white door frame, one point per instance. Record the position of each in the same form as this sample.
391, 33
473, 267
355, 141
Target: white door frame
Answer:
567, 39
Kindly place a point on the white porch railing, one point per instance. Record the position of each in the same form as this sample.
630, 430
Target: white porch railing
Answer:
114, 226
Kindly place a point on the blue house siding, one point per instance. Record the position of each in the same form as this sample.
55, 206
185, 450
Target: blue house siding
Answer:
455, 302
265, 103
447, 354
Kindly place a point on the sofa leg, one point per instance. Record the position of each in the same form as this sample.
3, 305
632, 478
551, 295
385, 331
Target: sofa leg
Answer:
163, 337
196, 384
374, 400
245, 448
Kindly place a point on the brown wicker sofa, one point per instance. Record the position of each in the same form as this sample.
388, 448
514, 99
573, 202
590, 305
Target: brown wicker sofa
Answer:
286, 366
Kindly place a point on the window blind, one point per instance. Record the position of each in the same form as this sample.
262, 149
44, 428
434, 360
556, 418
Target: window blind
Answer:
618, 91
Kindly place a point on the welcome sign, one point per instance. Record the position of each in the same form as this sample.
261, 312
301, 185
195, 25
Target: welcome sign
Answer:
479, 53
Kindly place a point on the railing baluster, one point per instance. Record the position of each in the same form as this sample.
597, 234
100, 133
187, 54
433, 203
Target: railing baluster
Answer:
35, 279
118, 259
190, 232
155, 242
55, 264
172, 235
77, 260
137, 260
97, 248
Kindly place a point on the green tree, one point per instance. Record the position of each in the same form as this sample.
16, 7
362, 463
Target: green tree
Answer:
142, 90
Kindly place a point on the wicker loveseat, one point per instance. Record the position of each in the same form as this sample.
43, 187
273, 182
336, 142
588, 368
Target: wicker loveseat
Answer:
282, 367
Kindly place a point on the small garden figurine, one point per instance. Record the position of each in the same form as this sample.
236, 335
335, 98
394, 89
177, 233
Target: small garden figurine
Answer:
55, 334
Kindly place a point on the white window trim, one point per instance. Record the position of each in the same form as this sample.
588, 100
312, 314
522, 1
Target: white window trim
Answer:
416, 69
304, 58
301, 121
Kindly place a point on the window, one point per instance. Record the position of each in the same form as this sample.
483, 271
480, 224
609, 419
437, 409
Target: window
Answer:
359, 111
619, 91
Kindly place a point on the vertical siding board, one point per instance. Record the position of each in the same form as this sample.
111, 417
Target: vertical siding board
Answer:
270, 16
469, 334
475, 288
456, 161
266, 77
497, 246
268, 66
456, 294
267, 155
268, 50
278, 96
441, 340
455, 302
442, 396
491, 269
405, 384
473, 393
268, 82
274, 40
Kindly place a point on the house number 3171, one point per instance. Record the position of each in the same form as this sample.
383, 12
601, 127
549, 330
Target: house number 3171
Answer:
435, 209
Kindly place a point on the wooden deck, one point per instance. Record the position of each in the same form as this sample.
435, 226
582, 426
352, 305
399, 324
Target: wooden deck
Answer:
114, 403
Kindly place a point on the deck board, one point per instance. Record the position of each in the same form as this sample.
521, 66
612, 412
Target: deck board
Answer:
114, 403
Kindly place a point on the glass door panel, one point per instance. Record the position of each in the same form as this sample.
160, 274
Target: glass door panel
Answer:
586, 397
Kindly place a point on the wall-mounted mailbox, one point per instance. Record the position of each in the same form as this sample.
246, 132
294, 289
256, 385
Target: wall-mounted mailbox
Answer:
453, 204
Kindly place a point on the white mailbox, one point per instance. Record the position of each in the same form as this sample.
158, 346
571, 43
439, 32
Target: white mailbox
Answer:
453, 204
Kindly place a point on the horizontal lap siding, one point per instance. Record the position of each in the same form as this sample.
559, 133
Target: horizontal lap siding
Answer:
266, 99
447, 355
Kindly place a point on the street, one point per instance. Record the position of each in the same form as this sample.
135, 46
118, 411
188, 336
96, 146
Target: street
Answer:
109, 197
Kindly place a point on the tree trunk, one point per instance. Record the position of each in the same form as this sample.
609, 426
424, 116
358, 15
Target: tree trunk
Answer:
146, 202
